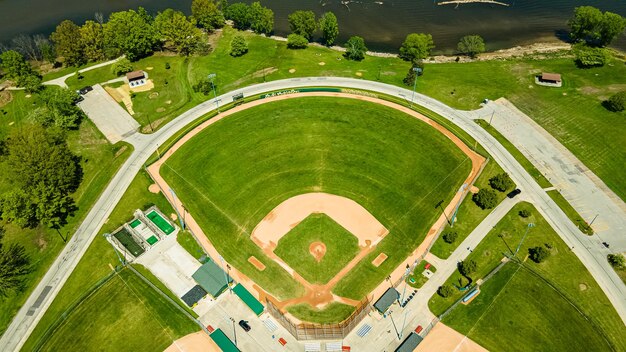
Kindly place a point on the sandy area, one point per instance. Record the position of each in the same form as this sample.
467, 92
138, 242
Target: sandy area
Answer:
154, 188
379, 259
320, 295
346, 212
445, 339
196, 342
257, 263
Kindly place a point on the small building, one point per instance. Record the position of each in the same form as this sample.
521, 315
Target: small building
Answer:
212, 278
386, 300
137, 78
549, 79
410, 344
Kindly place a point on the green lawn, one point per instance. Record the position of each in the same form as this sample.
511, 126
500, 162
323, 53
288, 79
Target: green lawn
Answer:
571, 213
186, 240
124, 314
416, 278
469, 214
333, 313
535, 301
395, 166
341, 247
97, 261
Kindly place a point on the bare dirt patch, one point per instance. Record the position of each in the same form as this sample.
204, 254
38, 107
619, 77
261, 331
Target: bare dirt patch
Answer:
120, 151
153, 126
582, 286
473, 189
154, 188
321, 63
360, 74
292, 70
173, 216
153, 95
149, 68
161, 109
379, 259
257, 263
317, 250
5, 97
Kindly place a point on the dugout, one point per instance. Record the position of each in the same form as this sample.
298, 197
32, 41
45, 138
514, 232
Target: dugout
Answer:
223, 342
386, 300
211, 278
249, 299
410, 343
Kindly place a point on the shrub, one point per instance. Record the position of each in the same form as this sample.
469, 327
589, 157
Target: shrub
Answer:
410, 77
467, 267
485, 198
538, 254
501, 182
617, 102
238, 46
445, 291
167, 66
617, 261
121, 67
296, 41
586, 56
524, 213
355, 49
450, 236
471, 45
203, 86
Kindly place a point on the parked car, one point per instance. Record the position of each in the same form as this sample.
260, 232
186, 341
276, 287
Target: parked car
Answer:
605, 244
84, 90
513, 193
244, 325
78, 99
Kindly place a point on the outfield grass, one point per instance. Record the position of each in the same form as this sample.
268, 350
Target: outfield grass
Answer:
341, 247
469, 214
99, 258
562, 269
393, 165
124, 314
333, 313
186, 240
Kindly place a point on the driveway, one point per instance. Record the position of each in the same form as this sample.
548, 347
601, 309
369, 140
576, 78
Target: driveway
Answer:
110, 118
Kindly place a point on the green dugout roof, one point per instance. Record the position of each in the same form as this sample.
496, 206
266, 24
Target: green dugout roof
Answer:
223, 342
249, 299
211, 278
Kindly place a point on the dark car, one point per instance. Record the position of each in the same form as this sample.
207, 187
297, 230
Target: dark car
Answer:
85, 90
513, 193
244, 325
605, 244
78, 99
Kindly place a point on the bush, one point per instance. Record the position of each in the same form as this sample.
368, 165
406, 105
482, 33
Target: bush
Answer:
204, 86
471, 45
445, 291
355, 49
586, 56
450, 236
524, 213
617, 261
485, 198
296, 41
121, 67
467, 267
538, 254
238, 46
501, 182
617, 102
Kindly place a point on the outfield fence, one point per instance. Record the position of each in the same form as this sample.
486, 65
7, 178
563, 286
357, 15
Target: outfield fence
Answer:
312, 331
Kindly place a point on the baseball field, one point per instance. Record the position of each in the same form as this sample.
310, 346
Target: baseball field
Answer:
235, 174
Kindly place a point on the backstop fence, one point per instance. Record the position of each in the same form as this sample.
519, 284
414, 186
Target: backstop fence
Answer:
311, 331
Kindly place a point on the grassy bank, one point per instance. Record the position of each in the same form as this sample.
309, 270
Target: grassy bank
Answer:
333, 313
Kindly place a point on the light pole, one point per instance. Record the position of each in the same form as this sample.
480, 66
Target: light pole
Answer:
530, 225
443, 211
184, 216
491, 118
108, 237
226, 275
404, 322
507, 245
394, 325
388, 278
234, 329
406, 274
211, 76
417, 71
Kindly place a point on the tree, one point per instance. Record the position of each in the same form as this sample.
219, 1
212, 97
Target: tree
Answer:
92, 39
471, 45
261, 18
445, 291
14, 65
59, 109
207, 14
46, 49
66, 39
330, 28
538, 254
121, 67
26, 46
485, 198
617, 261
31, 83
204, 86
586, 56
355, 49
416, 47
524, 213
450, 236
617, 102
130, 33
302, 23
14, 264
501, 182
239, 13
412, 74
296, 41
594, 27
238, 46
467, 267
43, 172
177, 32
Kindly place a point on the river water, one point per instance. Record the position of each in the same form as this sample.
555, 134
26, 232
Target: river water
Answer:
383, 23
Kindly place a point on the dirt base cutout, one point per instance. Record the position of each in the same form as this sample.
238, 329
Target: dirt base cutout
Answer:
196, 342
379, 260
317, 250
444, 339
154, 188
257, 263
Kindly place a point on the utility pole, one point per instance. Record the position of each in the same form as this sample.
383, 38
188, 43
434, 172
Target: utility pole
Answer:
530, 225
491, 118
507, 245
180, 219
211, 76
406, 274
394, 326
456, 210
404, 323
234, 330
594, 219
226, 275
417, 71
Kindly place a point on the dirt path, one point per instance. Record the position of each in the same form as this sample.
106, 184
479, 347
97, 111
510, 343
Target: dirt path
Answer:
318, 295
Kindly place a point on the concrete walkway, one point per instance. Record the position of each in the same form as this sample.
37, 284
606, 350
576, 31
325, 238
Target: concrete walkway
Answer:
61, 80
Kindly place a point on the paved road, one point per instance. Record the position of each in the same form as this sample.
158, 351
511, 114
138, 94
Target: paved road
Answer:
61, 80
579, 186
593, 257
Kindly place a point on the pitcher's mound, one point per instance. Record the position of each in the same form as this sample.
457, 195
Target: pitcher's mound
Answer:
317, 250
